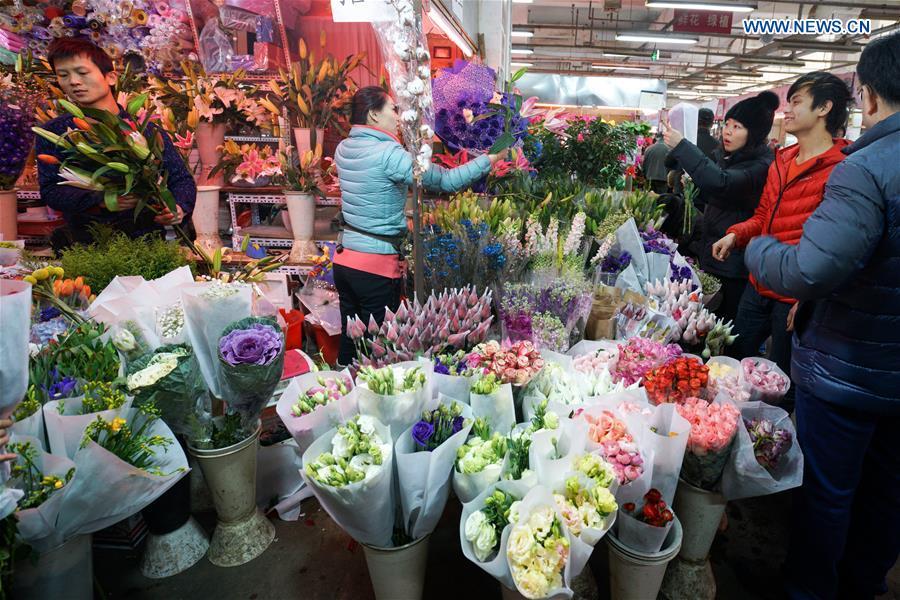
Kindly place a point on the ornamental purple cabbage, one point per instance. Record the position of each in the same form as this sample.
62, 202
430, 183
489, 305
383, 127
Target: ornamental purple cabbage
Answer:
258, 345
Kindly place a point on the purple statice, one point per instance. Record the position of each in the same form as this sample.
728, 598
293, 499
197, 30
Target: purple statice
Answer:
656, 241
615, 264
16, 138
680, 273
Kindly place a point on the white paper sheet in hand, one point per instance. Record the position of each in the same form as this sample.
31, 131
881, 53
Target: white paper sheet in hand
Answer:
106, 489
307, 428
629, 240
65, 431
424, 477
205, 320
365, 509
38, 526
15, 317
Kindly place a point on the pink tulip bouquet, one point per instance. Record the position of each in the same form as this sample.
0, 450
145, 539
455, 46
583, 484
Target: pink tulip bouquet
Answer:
713, 427
454, 320
640, 356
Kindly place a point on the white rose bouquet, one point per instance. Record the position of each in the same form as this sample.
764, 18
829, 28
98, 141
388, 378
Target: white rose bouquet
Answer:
484, 527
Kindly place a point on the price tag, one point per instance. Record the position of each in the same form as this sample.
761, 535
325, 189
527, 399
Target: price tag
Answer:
362, 11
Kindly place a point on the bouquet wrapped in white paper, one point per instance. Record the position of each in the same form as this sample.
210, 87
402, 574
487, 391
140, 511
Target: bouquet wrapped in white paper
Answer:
395, 395
425, 455
315, 402
350, 470
479, 461
493, 400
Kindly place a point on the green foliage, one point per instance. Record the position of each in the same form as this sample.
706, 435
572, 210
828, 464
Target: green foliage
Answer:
114, 253
83, 355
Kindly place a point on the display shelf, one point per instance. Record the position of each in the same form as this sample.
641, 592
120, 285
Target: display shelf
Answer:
28, 194
255, 197
249, 139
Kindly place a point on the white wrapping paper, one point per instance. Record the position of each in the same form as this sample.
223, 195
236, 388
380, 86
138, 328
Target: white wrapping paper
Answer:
307, 428
424, 476
15, 319
498, 408
106, 489
38, 526
205, 320
668, 450
399, 411
365, 509
641, 536
65, 430
32, 427
452, 386
553, 451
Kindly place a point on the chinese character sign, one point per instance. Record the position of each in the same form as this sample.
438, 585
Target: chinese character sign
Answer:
697, 21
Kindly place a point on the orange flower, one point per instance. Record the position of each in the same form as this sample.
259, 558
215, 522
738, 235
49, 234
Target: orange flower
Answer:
48, 159
56, 285
67, 287
86, 293
81, 124
79, 283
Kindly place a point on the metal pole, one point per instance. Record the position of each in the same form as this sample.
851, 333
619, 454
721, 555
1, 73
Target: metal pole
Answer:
417, 244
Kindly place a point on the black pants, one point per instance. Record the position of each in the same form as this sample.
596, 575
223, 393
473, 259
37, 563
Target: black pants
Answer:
759, 317
732, 291
362, 294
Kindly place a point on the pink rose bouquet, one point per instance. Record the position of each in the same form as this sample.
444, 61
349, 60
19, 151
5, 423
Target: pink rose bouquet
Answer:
640, 356
767, 382
595, 362
625, 460
514, 363
713, 427
606, 428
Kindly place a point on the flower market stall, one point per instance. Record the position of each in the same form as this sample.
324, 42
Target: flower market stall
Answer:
553, 389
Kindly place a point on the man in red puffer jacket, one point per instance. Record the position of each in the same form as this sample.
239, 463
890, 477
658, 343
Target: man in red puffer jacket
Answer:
817, 108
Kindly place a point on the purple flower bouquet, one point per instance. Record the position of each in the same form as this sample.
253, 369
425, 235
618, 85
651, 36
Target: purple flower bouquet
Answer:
16, 137
251, 356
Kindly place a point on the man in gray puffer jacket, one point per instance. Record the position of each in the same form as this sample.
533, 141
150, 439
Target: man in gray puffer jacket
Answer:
846, 356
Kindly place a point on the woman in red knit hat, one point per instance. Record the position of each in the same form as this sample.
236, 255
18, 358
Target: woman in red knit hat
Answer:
817, 108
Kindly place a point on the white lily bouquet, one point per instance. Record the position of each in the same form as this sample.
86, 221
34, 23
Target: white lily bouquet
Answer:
395, 395
479, 461
492, 399
315, 402
350, 470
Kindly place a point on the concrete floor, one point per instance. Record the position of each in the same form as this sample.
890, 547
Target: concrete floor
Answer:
312, 559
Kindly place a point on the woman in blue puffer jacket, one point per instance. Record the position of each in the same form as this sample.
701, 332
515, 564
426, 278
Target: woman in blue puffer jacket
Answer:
375, 171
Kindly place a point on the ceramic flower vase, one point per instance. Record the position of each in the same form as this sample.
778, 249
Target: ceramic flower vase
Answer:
210, 137
242, 532
398, 572
206, 218
302, 219
176, 542
8, 215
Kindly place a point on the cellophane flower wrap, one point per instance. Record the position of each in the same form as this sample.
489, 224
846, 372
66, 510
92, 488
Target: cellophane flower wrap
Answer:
713, 428
320, 391
766, 458
358, 495
423, 471
639, 356
767, 382
680, 378
644, 525
251, 357
170, 379
725, 377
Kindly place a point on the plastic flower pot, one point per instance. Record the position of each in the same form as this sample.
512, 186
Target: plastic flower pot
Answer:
242, 532
700, 512
635, 575
302, 213
398, 573
302, 138
210, 136
62, 572
206, 218
8, 215
176, 541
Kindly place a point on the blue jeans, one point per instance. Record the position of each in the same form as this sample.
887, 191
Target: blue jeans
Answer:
846, 521
759, 317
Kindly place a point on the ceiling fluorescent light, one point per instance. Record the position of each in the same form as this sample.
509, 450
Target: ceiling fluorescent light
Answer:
521, 64
613, 55
659, 38
723, 6
816, 45
439, 19
620, 67
522, 33
522, 1
771, 60
522, 50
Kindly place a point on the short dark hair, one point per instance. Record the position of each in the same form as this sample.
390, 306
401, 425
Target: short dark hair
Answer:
364, 100
69, 47
705, 118
823, 87
879, 68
